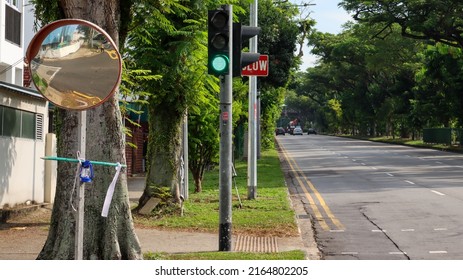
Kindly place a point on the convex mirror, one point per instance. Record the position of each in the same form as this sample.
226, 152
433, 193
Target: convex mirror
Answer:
74, 64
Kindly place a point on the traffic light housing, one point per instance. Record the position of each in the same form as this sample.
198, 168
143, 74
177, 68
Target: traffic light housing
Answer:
242, 59
218, 41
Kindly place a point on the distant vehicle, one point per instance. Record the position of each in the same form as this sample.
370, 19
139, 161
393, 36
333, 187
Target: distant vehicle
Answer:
297, 131
280, 131
290, 129
311, 131
292, 124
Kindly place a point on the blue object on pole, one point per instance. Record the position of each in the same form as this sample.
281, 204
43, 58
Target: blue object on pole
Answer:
86, 172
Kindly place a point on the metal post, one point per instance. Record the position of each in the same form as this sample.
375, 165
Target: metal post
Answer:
225, 175
252, 135
79, 234
185, 155
259, 135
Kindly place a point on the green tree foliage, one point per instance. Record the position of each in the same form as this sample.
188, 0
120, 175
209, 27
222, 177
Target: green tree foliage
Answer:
440, 85
386, 81
365, 74
278, 38
203, 139
438, 20
168, 39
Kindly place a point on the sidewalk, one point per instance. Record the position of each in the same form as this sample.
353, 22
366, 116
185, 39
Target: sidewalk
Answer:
22, 242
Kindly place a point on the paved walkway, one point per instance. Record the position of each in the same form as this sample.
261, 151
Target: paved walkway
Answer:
21, 242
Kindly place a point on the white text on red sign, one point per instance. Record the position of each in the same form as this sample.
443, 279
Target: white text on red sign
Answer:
258, 68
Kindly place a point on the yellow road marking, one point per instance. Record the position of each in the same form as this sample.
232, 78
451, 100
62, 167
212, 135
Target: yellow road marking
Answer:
325, 207
314, 207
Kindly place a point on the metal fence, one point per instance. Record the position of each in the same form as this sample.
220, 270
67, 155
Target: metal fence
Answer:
448, 136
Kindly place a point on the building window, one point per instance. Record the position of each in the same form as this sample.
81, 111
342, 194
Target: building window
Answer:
12, 25
11, 122
14, 3
18, 123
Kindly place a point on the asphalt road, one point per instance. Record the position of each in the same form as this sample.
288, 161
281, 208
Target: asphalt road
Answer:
378, 201
94, 75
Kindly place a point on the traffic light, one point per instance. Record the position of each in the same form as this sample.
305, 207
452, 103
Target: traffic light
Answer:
218, 41
242, 59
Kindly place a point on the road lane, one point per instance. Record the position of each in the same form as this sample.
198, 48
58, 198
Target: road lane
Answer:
393, 202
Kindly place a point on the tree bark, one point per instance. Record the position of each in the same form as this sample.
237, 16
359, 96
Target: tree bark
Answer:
104, 238
164, 152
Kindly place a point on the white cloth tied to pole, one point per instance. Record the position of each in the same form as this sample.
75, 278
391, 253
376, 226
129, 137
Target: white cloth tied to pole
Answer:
110, 192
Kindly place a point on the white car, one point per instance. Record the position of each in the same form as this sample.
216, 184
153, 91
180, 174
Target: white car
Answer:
297, 131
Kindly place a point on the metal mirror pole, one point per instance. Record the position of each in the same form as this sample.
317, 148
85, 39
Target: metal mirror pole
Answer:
79, 237
252, 115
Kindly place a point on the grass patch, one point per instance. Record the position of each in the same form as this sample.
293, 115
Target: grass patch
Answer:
270, 214
289, 255
417, 143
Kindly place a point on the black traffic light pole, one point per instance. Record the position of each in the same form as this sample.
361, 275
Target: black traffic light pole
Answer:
225, 60
225, 165
219, 51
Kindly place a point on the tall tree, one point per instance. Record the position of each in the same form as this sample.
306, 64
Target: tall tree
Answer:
104, 238
440, 84
171, 34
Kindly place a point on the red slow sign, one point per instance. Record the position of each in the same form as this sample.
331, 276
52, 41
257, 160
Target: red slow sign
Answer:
258, 68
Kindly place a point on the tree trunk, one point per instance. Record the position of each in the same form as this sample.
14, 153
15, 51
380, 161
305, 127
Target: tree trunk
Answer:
164, 152
104, 238
198, 184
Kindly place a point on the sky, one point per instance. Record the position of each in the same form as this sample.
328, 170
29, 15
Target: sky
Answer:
329, 18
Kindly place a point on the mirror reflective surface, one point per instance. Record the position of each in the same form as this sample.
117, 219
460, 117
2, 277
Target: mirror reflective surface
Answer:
74, 64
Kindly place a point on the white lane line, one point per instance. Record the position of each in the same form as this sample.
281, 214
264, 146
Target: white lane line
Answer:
378, 230
437, 252
439, 162
440, 229
407, 230
336, 230
389, 174
397, 253
410, 182
349, 253
438, 193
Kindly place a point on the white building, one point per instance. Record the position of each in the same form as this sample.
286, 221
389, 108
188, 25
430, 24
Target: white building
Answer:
23, 113
11, 41
22, 143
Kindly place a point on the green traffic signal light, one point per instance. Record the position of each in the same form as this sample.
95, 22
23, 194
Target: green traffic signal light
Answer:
220, 63
219, 33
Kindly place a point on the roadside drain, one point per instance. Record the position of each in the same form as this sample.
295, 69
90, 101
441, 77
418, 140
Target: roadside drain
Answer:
256, 244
